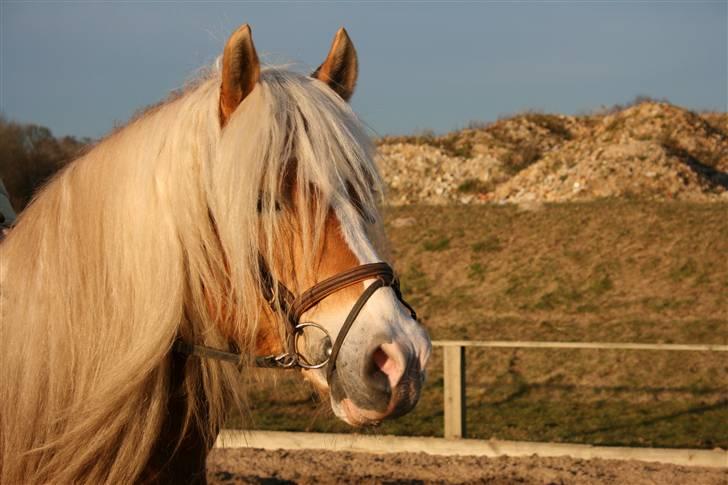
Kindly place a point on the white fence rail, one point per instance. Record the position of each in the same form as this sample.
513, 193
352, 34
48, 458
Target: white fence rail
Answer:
454, 402
454, 368
285, 440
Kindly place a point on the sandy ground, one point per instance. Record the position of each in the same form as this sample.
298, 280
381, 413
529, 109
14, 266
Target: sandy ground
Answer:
233, 466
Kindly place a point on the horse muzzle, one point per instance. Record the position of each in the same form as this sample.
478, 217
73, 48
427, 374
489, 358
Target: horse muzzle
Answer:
383, 383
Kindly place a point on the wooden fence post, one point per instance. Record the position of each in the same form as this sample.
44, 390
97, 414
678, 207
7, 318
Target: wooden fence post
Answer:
454, 377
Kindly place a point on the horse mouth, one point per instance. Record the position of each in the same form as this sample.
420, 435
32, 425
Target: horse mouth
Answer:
403, 401
354, 416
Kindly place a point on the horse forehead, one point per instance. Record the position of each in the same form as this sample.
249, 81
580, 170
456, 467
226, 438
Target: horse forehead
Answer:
337, 254
336, 257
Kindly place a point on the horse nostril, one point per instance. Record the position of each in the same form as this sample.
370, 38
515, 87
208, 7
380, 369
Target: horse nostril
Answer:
386, 366
382, 361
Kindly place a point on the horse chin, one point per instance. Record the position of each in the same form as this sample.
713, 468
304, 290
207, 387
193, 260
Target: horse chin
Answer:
344, 409
349, 413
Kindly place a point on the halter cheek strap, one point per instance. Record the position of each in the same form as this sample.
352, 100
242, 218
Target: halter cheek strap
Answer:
355, 310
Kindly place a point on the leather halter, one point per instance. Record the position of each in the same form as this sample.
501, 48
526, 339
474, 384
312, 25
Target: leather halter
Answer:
294, 308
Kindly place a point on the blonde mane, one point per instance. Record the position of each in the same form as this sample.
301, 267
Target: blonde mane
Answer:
143, 240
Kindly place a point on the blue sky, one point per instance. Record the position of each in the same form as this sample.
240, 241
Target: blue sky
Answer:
80, 67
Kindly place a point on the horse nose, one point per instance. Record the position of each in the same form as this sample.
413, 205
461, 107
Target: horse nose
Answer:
385, 383
394, 378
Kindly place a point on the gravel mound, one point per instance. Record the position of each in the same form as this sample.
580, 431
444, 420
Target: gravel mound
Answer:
649, 150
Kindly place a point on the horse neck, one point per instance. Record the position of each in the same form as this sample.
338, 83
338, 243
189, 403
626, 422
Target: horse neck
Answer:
182, 447
96, 263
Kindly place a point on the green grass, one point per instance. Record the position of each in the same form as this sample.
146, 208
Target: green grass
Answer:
610, 270
489, 244
475, 186
552, 123
439, 244
684, 269
476, 271
521, 157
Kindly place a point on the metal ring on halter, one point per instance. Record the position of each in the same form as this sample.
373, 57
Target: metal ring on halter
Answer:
298, 331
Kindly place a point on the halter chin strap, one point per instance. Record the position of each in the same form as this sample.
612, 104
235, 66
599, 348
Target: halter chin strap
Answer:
295, 307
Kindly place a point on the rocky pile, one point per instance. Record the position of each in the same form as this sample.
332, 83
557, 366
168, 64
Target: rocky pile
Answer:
649, 150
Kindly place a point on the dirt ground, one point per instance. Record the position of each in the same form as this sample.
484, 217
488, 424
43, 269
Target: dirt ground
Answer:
255, 466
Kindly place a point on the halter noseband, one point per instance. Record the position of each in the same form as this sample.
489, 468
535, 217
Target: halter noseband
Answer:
294, 308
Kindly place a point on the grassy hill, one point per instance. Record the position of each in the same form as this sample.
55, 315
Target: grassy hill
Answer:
607, 270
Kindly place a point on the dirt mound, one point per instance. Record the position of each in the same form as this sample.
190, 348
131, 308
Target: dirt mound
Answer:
228, 466
649, 150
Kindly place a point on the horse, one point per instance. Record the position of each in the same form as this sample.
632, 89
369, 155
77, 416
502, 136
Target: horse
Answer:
238, 221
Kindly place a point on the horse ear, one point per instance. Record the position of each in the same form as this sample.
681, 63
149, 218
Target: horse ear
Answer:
240, 71
341, 66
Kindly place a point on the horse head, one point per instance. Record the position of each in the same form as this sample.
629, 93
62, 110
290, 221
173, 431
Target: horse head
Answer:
313, 229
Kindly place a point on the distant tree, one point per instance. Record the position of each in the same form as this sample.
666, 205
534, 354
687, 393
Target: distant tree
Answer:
29, 156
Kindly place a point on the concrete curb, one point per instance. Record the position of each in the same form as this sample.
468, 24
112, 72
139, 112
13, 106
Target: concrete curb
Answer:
275, 440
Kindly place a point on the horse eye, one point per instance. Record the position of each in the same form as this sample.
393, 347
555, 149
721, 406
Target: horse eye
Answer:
356, 201
363, 213
262, 203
